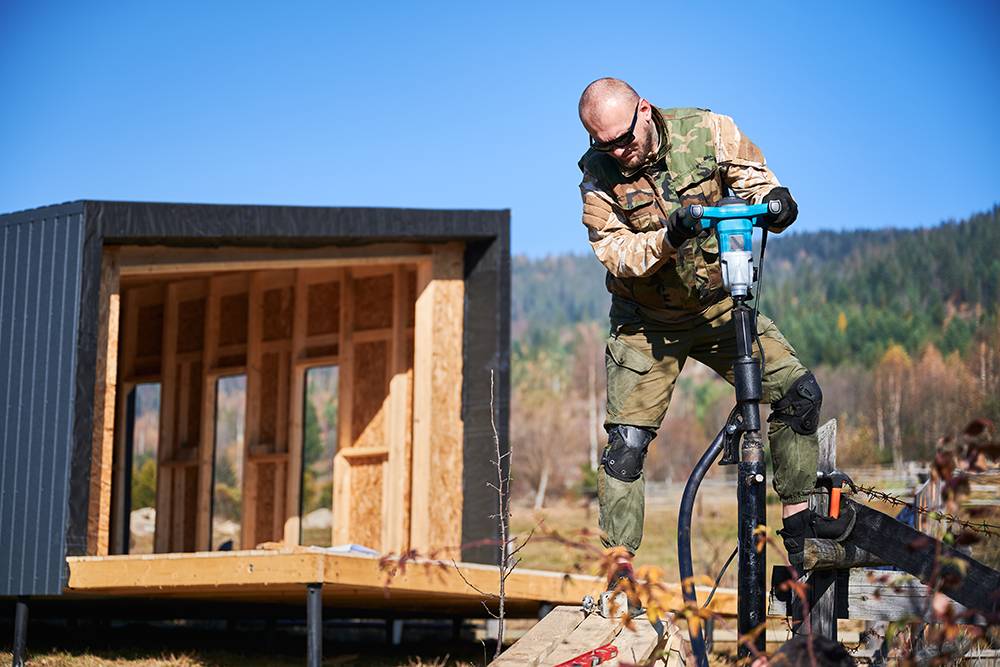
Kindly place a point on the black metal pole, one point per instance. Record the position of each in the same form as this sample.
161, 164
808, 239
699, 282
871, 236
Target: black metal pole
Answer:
751, 485
20, 631
314, 624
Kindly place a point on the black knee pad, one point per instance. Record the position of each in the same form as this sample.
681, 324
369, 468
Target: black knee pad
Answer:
799, 407
626, 451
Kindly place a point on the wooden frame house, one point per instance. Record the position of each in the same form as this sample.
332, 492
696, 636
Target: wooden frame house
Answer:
98, 299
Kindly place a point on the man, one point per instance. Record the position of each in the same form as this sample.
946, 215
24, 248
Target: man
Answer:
668, 303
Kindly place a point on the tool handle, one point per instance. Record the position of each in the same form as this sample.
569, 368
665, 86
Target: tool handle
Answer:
835, 502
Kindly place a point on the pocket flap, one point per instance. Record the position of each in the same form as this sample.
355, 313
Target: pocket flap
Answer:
629, 357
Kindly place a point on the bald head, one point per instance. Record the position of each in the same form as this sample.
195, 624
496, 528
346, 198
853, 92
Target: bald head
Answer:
606, 96
619, 122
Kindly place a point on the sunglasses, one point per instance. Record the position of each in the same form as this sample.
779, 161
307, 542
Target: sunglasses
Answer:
620, 141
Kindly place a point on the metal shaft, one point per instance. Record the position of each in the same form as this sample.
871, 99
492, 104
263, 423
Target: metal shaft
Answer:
751, 484
752, 562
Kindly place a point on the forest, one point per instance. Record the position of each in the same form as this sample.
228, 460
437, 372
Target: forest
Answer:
900, 327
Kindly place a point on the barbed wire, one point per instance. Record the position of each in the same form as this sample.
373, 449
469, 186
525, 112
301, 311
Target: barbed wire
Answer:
980, 527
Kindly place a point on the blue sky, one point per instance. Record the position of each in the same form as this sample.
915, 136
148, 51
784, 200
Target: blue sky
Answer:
873, 114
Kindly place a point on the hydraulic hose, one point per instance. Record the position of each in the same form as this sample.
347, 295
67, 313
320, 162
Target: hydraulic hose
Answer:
684, 534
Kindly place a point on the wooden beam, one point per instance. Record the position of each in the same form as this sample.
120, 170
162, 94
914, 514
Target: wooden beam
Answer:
395, 535
163, 260
102, 439
341, 528
594, 631
975, 585
206, 444
438, 437
251, 430
165, 446
823, 591
542, 638
296, 409
830, 555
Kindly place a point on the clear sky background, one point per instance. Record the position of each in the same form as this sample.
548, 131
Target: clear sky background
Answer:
873, 114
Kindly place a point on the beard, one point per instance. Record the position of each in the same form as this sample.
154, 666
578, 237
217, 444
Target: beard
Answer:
639, 155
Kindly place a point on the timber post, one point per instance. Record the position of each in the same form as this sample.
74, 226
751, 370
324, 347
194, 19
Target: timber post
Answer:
314, 625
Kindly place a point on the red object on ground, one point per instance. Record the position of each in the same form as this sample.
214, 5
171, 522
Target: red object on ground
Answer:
590, 658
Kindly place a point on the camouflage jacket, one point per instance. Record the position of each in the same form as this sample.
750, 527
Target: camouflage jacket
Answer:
701, 156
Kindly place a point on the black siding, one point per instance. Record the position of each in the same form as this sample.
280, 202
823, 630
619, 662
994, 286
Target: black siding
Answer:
40, 256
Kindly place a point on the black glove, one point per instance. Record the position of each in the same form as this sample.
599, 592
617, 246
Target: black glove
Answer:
680, 227
789, 209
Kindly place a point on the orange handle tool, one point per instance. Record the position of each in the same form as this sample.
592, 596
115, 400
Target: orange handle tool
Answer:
835, 502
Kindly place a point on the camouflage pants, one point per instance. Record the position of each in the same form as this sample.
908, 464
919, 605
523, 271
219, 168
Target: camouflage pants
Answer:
642, 370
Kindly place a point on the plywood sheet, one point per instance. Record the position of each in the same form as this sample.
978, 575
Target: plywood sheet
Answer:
323, 313
264, 528
368, 428
373, 302
366, 501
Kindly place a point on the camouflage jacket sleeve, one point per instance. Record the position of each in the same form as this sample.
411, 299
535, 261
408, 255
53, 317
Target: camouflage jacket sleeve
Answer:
741, 163
625, 253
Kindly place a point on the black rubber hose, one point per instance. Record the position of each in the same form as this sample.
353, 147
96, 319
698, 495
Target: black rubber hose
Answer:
684, 534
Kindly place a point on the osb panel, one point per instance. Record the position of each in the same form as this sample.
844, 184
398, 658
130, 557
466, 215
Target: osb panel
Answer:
233, 312
190, 509
231, 360
193, 400
373, 303
371, 386
264, 524
277, 305
269, 397
149, 337
366, 502
323, 304
411, 298
446, 428
321, 351
190, 325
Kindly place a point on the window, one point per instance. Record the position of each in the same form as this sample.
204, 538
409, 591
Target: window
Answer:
143, 440
227, 482
319, 446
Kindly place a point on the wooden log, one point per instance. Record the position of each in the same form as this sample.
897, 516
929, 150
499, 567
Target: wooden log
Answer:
975, 585
830, 555
823, 583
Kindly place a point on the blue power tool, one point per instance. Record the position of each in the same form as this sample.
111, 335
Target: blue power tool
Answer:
733, 220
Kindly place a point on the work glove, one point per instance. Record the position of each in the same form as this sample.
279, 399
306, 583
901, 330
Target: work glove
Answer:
789, 210
680, 227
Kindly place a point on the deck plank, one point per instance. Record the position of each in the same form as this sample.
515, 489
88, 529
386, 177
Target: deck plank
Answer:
542, 638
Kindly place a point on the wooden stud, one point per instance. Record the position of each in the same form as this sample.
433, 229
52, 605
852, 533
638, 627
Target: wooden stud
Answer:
395, 536
159, 260
206, 446
165, 449
345, 400
102, 439
251, 431
296, 408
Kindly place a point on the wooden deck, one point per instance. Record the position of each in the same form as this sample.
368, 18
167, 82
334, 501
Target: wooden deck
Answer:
349, 582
